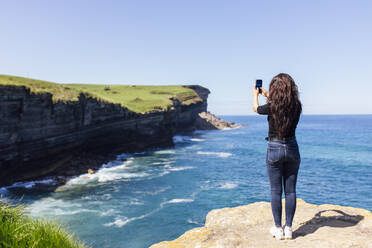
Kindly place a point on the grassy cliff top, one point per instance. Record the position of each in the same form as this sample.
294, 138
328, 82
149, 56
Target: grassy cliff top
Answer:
137, 98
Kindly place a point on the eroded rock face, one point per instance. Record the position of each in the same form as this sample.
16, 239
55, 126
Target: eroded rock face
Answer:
208, 121
248, 226
39, 137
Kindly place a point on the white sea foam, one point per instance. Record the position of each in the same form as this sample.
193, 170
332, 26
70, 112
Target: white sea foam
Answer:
106, 197
181, 168
109, 212
193, 221
3, 192
163, 173
196, 139
123, 220
103, 176
153, 192
165, 152
219, 154
180, 200
97, 197
135, 201
123, 156
166, 160
52, 206
116, 163
177, 200
119, 222
230, 128
72, 212
107, 173
156, 163
30, 184
228, 185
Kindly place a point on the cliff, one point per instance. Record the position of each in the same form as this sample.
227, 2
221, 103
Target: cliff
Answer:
55, 129
248, 226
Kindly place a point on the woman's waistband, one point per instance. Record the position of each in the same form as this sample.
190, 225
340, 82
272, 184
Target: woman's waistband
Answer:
283, 140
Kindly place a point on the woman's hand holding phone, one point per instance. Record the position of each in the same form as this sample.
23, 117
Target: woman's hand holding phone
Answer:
264, 92
256, 92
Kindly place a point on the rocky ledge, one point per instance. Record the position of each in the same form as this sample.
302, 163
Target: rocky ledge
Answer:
207, 121
248, 226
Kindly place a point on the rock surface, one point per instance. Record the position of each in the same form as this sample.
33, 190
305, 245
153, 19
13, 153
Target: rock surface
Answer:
207, 121
248, 226
39, 137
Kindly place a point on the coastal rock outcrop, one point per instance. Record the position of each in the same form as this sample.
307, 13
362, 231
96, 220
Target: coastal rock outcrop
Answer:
208, 121
40, 137
248, 226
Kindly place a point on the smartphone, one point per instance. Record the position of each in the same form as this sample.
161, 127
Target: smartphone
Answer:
259, 85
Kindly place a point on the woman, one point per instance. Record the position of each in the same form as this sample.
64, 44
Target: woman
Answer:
283, 158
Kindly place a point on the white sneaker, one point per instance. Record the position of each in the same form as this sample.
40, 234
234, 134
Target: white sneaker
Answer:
287, 232
277, 232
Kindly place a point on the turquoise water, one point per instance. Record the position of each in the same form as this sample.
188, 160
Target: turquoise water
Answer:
144, 198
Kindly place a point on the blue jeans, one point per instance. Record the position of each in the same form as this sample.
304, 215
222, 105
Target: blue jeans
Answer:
282, 162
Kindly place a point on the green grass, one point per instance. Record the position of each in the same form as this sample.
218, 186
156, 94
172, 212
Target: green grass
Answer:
137, 98
17, 230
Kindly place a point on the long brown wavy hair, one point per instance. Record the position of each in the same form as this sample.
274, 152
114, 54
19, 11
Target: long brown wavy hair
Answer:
284, 103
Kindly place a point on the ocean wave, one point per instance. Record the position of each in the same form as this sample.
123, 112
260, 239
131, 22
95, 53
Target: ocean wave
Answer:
193, 222
177, 200
105, 174
116, 163
120, 221
219, 154
135, 201
123, 220
228, 185
230, 128
153, 192
124, 156
97, 197
165, 152
169, 162
73, 212
109, 212
183, 139
156, 163
53, 207
31, 184
3, 194
181, 168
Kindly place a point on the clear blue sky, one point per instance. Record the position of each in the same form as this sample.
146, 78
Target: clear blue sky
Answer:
223, 45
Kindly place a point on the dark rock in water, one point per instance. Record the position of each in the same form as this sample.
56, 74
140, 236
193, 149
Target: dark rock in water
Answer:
207, 121
41, 138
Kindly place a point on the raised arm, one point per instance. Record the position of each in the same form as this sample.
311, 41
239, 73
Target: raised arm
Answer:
255, 99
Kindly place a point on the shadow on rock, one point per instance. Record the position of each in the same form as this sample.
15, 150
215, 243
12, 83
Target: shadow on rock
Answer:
339, 219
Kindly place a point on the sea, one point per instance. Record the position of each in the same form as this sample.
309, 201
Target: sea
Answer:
144, 198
